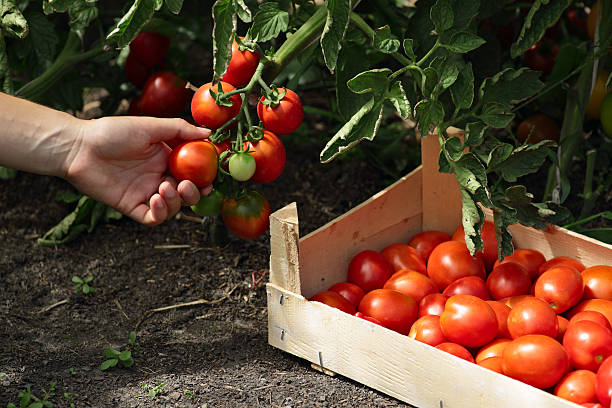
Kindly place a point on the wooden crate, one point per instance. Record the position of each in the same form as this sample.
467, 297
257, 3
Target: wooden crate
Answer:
382, 359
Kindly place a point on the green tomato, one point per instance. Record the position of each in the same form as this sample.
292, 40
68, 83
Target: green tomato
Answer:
209, 205
606, 113
242, 166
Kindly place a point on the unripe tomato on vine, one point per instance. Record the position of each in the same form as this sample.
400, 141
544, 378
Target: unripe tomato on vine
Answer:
241, 166
207, 112
242, 66
281, 112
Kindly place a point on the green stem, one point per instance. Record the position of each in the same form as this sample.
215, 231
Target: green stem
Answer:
584, 220
361, 24
588, 196
429, 53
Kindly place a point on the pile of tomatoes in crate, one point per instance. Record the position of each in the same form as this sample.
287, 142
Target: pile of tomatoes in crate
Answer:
231, 156
547, 323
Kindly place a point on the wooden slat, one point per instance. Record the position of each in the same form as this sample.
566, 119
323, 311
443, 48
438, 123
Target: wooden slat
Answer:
392, 215
284, 236
389, 362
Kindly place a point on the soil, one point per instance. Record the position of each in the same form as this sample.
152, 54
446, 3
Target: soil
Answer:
208, 355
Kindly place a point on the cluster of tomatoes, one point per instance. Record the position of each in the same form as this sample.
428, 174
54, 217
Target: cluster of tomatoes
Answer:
546, 323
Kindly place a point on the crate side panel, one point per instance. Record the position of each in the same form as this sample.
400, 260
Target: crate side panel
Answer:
389, 362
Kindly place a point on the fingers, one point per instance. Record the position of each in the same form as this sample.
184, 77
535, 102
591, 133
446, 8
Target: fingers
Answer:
188, 192
166, 129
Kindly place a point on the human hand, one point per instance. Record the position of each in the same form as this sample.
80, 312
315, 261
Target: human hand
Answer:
122, 161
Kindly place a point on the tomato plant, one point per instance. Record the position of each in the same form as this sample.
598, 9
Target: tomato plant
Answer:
450, 261
281, 111
241, 166
270, 157
334, 299
208, 112
136, 72
392, 309
242, 65
196, 161
594, 105
369, 270
247, 216
164, 95
469, 321
541, 55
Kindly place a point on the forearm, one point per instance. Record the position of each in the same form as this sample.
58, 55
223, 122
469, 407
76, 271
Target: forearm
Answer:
35, 138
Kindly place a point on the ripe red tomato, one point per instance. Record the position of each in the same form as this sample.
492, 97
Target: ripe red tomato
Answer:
592, 405
450, 261
349, 291
575, 19
194, 160
247, 216
530, 259
368, 318
270, 157
394, 310
541, 56
411, 283
135, 108
561, 260
492, 363
501, 312
149, 48
425, 242
597, 282
242, 66
535, 359
334, 299
493, 349
369, 270
489, 242
283, 118
205, 110
537, 128
469, 321
164, 95
602, 306
457, 350
404, 257
426, 329
432, 304
514, 300
588, 344
136, 72
563, 323
508, 279
532, 316
593, 316
603, 385
468, 285
577, 386
561, 287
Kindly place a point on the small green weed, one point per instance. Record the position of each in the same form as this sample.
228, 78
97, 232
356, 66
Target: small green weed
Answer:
27, 399
83, 285
153, 390
124, 357
189, 394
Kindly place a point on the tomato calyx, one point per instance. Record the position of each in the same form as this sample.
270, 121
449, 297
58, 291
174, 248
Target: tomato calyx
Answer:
221, 98
273, 97
255, 134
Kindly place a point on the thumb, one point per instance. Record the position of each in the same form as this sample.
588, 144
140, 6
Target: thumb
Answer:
167, 129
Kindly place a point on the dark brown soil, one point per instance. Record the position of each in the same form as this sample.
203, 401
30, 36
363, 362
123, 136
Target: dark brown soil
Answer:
209, 355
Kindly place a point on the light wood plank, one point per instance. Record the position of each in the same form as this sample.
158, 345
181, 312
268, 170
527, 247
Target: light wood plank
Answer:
284, 236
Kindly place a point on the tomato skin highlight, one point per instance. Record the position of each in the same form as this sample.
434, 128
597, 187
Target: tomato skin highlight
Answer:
241, 166
241, 67
149, 48
369, 270
450, 261
164, 95
432, 304
284, 118
425, 242
247, 217
334, 299
394, 310
270, 157
469, 321
194, 160
426, 329
205, 110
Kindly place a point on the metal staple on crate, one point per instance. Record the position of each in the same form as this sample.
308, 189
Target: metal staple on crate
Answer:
281, 299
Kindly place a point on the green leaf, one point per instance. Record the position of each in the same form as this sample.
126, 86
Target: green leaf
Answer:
429, 114
132, 337
59, 6
6, 173
510, 86
42, 38
111, 353
223, 33
462, 91
448, 72
128, 363
542, 15
125, 355
463, 41
108, 364
453, 148
174, 6
112, 214
385, 41
470, 173
6, 85
499, 154
81, 14
502, 220
11, 19
362, 125
158, 4
474, 134
243, 11
351, 61
77, 279
527, 213
398, 98
373, 81
68, 196
132, 22
269, 22
495, 115
430, 82
464, 12
442, 16
472, 219
525, 159
338, 12
408, 45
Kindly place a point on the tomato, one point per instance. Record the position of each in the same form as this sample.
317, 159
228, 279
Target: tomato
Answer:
541, 55
501, 312
588, 344
537, 128
563, 323
577, 386
164, 95
508, 279
457, 350
425, 242
576, 22
241, 166
450, 261
149, 48
247, 216
606, 113
532, 316
602, 306
468, 285
224, 146
241, 67
593, 108
368, 318
514, 300
283, 118
205, 110
469, 321
592, 316
432, 304
135, 71
369, 270
597, 282
592, 405
194, 160
535, 359
270, 157
492, 349
349, 291
562, 287
530, 259
426, 329
489, 242
603, 385
394, 310
334, 299
492, 363
404, 257
411, 283
561, 260
135, 108
209, 205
